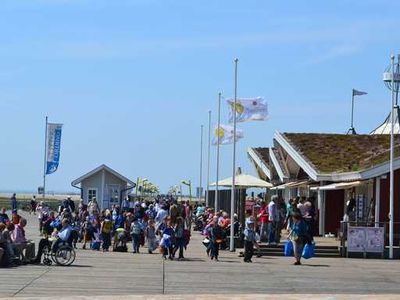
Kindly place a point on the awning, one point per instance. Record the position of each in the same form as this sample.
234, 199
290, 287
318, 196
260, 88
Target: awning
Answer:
337, 186
245, 181
293, 184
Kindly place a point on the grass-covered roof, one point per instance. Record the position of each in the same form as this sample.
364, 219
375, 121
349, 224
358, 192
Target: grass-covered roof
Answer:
263, 154
329, 153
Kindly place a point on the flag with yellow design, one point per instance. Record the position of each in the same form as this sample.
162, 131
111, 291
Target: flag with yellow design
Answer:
225, 135
248, 109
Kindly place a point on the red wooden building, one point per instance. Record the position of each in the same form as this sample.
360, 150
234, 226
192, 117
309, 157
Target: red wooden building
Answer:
333, 168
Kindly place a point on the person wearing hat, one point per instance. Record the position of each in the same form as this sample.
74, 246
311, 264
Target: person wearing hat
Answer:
250, 240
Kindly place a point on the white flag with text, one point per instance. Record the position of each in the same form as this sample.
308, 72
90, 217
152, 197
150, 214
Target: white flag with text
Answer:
248, 109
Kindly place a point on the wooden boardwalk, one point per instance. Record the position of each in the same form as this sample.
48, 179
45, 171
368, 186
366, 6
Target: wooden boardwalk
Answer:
112, 274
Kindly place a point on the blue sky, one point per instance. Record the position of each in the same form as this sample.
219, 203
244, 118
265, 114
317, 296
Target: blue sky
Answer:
133, 80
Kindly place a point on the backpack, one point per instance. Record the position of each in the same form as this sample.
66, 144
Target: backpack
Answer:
107, 226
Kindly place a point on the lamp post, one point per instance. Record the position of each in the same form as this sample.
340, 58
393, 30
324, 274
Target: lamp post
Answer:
144, 181
391, 78
189, 184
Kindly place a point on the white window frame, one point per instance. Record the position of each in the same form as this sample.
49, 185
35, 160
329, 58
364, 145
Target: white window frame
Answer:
96, 194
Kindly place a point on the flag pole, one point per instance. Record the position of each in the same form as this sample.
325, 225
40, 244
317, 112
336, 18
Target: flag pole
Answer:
352, 130
201, 164
232, 236
45, 160
391, 188
218, 141
208, 159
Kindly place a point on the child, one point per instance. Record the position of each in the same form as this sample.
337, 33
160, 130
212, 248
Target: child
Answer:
215, 235
136, 230
87, 232
167, 241
95, 244
250, 240
151, 236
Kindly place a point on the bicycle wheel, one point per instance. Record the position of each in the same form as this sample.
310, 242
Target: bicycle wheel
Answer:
65, 256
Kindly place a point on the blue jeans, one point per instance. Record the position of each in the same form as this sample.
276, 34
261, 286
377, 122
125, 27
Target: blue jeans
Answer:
135, 242
271, 231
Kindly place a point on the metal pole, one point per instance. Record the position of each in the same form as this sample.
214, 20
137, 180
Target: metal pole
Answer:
201, 165
137, 187
190, 191
232, 242
45, 160
352, 113
391, 164
218, 140
208, 159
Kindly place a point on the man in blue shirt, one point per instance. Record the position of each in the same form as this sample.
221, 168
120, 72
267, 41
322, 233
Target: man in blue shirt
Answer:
63, 236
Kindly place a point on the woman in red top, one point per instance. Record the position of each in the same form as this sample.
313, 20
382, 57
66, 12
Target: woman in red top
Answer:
263, 217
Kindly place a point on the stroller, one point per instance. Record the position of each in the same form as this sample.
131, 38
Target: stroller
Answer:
120, 240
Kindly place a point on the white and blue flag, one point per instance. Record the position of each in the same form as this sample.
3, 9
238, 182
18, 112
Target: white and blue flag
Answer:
225, 135
248, 109
53, 147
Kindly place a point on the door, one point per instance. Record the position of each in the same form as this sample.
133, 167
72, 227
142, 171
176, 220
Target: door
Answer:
113, 194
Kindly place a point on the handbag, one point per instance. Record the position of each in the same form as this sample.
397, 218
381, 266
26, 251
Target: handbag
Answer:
308, 251
288, 249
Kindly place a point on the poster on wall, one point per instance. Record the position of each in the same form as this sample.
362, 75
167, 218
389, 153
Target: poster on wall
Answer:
356, 239
375, 239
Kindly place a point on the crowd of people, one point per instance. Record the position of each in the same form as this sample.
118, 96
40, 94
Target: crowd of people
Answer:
163, 223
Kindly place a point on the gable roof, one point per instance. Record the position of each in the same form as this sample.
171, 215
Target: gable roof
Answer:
337, 153
100, 168
260, 158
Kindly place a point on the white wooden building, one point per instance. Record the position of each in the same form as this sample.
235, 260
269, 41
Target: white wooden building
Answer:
105, 184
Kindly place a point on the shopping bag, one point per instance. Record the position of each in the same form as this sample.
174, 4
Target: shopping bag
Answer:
206, 242
288, 250
308, 251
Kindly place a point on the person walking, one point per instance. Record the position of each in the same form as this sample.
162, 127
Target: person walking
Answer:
250, 241
215, 234
13, 202
263, 217
33, 205
180, 240
272, 219
298, 236
136, 230
106, 228
151, 236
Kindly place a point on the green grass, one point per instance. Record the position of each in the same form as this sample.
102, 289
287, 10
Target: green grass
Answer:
24, 204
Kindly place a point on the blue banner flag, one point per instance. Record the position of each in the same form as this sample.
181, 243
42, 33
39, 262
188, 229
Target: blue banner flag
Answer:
53, 147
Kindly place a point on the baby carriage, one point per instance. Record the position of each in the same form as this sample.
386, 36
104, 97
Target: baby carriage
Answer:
120, 240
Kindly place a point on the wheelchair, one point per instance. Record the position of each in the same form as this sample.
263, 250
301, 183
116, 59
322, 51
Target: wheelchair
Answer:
62, 255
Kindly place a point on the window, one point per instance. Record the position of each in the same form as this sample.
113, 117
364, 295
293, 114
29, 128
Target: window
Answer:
92, 193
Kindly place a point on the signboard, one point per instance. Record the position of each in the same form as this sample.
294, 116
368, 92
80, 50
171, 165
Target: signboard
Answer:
366, 239
356, 239
40, 190
375, 237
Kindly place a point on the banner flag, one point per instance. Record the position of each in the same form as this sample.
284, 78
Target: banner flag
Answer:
250, 109
225, 134
359, 93
53, 147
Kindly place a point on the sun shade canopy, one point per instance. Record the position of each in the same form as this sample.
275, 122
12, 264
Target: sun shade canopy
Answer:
244, 180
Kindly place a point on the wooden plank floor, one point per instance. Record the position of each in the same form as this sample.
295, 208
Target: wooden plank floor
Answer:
98, 273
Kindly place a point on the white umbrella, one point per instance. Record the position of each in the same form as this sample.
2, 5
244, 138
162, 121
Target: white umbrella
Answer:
244, 180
